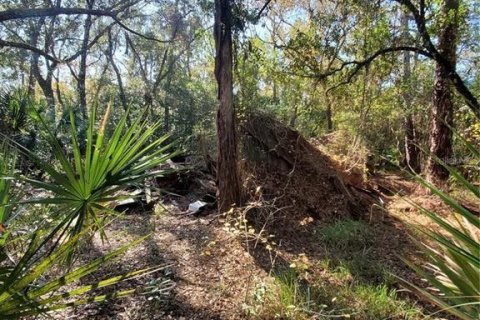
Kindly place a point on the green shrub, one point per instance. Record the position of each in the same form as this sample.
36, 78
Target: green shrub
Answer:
296, 298
13, 110
84, 182
346, 234
82, 188
28, 288
454, 263
293, 297
7, 196
380, 302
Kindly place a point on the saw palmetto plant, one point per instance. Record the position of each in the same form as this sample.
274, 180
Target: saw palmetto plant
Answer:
14, 106
453, 253
8, 197
28, 287
86, 176
81, 183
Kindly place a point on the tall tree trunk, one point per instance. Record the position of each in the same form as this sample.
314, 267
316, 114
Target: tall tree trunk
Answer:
111, 59
275, 99
168, 96
329, 115
328, 109
58, 91
442, 102
82, 74
31, 79
228, 180
293, 117
35, 73
44, 83
411, 156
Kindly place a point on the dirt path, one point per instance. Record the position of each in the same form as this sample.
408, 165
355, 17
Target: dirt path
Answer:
212, 272
215, 273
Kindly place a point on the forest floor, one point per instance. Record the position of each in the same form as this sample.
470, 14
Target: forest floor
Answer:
313, 242
337, 268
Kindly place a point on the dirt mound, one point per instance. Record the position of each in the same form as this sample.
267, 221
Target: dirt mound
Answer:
303, 179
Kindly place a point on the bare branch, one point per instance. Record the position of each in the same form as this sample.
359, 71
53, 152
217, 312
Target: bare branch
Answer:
91, 44
28, 47
364, 63
14, 14
263, 9
419, 17
360, 64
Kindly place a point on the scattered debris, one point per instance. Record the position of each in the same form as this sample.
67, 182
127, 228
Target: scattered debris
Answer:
291, 169
196, 207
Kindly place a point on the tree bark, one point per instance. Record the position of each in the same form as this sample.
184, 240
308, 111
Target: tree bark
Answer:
438, 54
293, 117
82, 74
275, 99
442, 101
328, 107
229, 191
411, 153
111, 59
58, 91
168, 99
35, 72
328, 114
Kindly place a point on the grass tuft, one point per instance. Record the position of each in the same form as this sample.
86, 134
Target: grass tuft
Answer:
290, 296
346, 235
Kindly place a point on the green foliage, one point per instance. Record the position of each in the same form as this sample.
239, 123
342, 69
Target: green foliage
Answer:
5, 170
82, 182
85, 185
13, 110
15, 106
349, 243
346, 234
29, 288
293, 297
380, 302
454, 258
7, 195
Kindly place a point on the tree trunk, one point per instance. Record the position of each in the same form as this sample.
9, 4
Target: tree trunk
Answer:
229, 191
168, 95
328, 109
82, 74
44, 83
275, 99
412, 152
442, 102
411, 156
111, 59
31, 79
293, 117
58, 91
35, 73
329, 116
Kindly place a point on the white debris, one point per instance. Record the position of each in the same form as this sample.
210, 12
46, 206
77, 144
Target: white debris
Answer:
172, 164
126, 201
196, 206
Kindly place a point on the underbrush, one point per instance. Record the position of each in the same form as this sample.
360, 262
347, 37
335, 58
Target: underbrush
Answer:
350, 282
346, 234
43, 231
348, 245
334, 295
